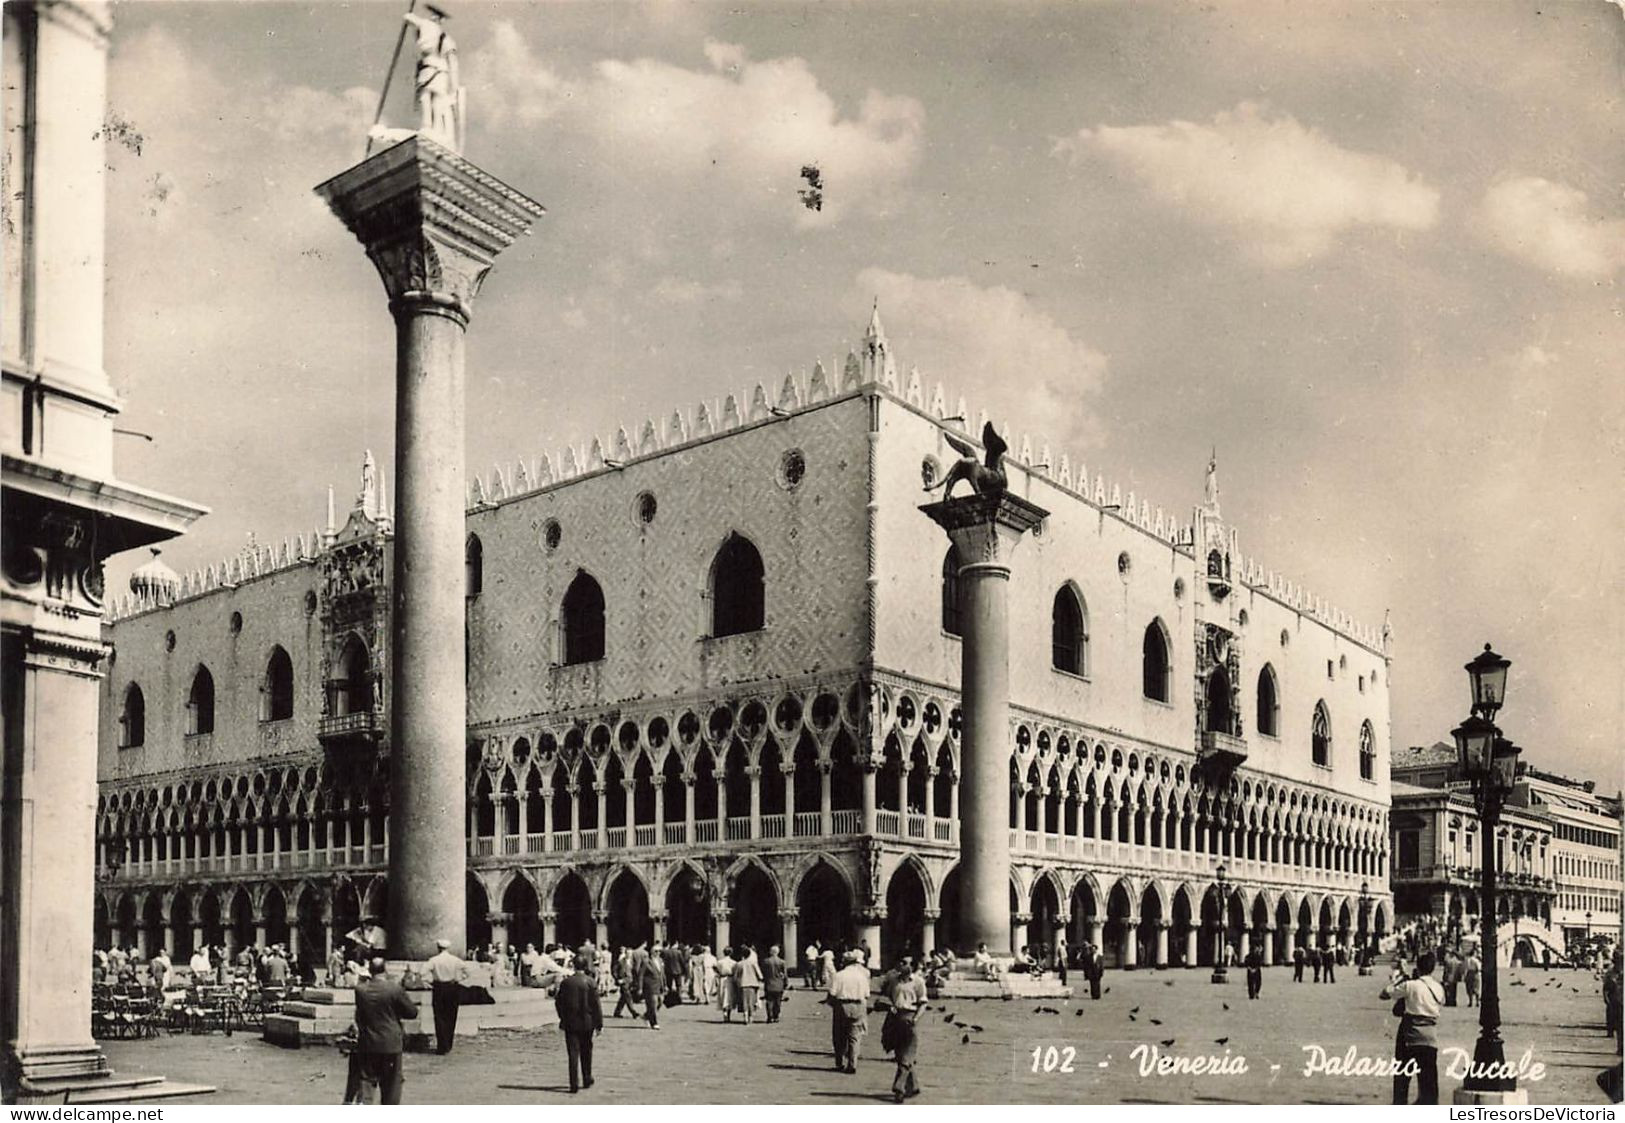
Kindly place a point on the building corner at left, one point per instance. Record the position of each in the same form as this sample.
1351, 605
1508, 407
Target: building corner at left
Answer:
64, 512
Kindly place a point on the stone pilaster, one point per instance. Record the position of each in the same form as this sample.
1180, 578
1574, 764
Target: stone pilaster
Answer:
986, 531
433, 224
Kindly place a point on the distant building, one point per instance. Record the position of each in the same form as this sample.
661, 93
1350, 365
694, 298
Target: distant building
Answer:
712, 694
1438, 854
1558, 850
1585, 852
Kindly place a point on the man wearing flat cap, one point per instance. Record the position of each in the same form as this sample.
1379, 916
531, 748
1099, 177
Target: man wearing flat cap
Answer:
446, 977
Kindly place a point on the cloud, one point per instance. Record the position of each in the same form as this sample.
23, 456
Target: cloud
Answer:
1284, 192
676, 290
1545, 224
509, 84
993, 345
742, 130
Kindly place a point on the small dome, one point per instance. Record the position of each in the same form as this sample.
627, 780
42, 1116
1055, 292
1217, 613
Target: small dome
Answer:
155, 580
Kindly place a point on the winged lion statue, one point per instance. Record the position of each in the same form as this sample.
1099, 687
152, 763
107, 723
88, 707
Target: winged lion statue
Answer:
986, 475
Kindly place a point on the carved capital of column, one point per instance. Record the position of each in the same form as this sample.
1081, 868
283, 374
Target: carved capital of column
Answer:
790, 914
985, 530
498, 917
432, 223
931, 916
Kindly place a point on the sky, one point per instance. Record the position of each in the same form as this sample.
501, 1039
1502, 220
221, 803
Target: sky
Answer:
1370, 253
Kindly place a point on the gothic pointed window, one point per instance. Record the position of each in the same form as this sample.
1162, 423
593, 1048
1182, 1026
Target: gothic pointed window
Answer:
738, 588
1269, 703
951, 621
200, 703
473, 567
1368, 752
1069, 631
1320, 736
351, 691
132, 722
1220, 716
276, 692
1154, 663
582, 620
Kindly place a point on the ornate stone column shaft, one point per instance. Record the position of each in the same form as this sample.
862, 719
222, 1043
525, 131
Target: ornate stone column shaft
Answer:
985, 531
433, 224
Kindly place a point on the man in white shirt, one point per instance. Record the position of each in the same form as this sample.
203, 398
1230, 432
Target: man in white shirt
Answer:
849, 1001
446, 978
1416, 1046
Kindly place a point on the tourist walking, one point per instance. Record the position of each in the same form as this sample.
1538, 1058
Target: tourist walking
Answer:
675, 962
1094, 969
581, 1018
906, 994
653, 985
629, 980
1417, 1008
848, 998
826, 965
775, 980
380, 1007
1472, 973
1450, 976
725, 984
445, 976
747, 980
813, 959
1327, 961
1298, 957
708, 974
1060, 957
1255, 973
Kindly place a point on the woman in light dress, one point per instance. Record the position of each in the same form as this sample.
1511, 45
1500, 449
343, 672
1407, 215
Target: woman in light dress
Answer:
725, 984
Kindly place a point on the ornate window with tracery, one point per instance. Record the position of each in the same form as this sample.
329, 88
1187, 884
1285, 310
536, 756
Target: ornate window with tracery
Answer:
1320, 736
1368, 752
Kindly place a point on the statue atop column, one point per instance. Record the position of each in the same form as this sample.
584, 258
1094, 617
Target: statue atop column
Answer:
985, 476
440, 94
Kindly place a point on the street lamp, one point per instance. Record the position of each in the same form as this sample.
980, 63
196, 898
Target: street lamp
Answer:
1365, 929
1491, 762
1221, 944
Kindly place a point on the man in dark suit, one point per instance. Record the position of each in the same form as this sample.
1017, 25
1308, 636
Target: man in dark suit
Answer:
1298, 957
581, 1017
380, 1006
775, 980
674, 958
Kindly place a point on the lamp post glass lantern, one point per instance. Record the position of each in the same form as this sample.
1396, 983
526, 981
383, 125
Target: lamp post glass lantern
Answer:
1488, 675
1490, 761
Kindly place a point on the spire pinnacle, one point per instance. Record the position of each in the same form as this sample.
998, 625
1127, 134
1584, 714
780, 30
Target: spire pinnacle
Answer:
876, 330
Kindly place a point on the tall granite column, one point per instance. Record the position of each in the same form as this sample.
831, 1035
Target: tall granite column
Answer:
986, 531
433, 224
